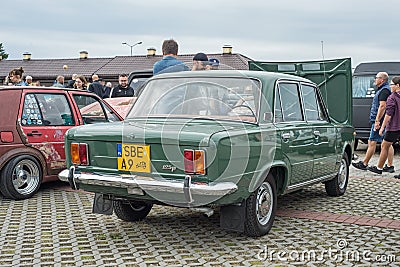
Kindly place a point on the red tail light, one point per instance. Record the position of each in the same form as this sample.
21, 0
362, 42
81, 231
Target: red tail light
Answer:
194, 161
83, 154
79, 154
188, 160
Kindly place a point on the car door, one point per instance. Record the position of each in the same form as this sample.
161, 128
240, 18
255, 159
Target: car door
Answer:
44, 117
297, 138
91, 109
324, 132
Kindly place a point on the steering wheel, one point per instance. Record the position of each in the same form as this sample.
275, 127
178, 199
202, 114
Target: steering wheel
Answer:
244, 106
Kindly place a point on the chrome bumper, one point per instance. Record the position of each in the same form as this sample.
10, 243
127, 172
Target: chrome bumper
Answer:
138, 185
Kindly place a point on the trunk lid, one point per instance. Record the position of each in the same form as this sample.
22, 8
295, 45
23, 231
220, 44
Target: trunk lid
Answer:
333, 78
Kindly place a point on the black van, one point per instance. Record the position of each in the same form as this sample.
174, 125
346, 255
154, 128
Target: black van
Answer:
363, 93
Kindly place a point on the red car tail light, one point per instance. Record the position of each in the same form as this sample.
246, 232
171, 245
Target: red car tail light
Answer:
194, 161
83, 154
79, 154
188, 155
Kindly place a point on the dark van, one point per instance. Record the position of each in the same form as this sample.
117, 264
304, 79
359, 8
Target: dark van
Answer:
363, 93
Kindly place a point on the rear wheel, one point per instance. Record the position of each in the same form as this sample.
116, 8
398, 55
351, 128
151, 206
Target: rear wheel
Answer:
337, 186
131, 211
261, 208
21, 178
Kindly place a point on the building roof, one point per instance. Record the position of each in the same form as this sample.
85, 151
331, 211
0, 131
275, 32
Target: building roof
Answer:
106, 67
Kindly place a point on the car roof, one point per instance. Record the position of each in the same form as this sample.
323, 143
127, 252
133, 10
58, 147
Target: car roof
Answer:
42, 88
372, 68
261, 75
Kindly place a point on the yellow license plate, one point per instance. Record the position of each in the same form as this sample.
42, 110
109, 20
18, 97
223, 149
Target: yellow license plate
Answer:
133, 157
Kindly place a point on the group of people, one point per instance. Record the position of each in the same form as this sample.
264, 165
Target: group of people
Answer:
14, 77
169, 62
98, 85
385, 128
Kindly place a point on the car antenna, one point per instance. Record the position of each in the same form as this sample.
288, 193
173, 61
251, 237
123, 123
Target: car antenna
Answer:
323, 61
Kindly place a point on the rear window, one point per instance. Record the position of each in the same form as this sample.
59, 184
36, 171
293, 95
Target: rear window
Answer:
363, 86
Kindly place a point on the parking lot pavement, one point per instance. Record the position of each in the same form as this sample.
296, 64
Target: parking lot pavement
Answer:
57, 228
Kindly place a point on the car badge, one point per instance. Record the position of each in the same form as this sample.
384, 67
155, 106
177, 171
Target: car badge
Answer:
169, 167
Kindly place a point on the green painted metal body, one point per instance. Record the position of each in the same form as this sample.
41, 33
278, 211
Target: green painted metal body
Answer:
239, 152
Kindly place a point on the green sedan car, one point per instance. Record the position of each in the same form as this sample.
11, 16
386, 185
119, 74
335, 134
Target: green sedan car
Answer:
231, 141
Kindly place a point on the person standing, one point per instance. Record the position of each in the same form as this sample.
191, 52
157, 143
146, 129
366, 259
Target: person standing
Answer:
80, 83
59, 82
71, 83
391, 123
214, 64
15, 77
107, 90
29, 80
377, 113
122, 89
96, 87
169, 63
200, 62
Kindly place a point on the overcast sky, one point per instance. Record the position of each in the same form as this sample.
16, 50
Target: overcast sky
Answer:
284, 30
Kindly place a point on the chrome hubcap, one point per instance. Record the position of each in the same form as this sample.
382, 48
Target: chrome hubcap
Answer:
26, 177
342, 174
264, 203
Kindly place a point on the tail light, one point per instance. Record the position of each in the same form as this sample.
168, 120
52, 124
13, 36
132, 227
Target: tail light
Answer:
79, 154
194, 161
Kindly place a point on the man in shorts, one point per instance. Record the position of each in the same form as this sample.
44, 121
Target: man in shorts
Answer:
391, 124
377, 113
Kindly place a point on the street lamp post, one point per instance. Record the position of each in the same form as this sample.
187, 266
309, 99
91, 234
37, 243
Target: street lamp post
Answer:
131, 46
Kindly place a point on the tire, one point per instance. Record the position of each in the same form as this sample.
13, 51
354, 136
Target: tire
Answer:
21, 178
261, 208
131, 211
338, 185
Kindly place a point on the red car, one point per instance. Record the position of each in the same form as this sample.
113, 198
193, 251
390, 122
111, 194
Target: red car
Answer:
33, 121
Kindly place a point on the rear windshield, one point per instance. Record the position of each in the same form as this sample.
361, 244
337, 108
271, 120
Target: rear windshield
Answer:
216, 97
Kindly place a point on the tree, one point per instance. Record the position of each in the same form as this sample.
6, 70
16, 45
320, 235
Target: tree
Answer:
3, 53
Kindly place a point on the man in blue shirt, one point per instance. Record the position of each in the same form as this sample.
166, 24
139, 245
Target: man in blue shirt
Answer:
169, 63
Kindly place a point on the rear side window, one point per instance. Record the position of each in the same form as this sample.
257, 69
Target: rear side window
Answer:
92, 110
47, 110
312, 106
290, 102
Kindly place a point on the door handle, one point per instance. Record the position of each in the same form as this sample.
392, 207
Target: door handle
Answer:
317, 133
34, 133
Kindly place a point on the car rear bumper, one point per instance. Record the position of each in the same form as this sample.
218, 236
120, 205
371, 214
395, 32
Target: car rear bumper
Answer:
138, 185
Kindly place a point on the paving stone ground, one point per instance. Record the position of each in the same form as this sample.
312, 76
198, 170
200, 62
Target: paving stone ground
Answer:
57, 228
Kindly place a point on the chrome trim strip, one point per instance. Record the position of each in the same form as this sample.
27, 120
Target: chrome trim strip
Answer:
291, 188
137, 185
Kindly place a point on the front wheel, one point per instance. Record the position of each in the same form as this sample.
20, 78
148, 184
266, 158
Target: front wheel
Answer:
131, 211
21, 178
338, 185
261, 208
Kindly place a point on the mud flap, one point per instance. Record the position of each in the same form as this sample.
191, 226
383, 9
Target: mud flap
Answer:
233, 217
102, 205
